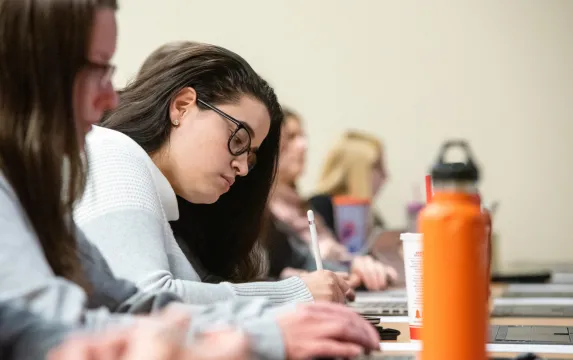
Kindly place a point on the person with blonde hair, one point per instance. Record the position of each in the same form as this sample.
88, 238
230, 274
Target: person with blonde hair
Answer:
289, 237
355, 168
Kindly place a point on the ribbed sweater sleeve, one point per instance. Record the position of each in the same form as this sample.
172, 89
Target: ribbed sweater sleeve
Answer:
122, 213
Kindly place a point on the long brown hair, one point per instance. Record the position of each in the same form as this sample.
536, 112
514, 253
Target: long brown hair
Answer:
161, 52
43, 45
223, 236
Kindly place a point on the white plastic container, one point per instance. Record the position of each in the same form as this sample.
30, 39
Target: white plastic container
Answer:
412, 244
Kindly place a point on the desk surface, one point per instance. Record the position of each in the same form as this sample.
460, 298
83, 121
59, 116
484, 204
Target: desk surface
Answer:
405, 333
496, 291
498, 354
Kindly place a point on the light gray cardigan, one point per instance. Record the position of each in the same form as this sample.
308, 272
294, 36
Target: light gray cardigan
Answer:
125, 212
27, 280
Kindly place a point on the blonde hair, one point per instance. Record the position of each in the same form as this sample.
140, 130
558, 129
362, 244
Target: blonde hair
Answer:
348, 166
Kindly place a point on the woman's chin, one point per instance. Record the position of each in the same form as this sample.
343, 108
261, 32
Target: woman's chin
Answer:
211, 198
205, 197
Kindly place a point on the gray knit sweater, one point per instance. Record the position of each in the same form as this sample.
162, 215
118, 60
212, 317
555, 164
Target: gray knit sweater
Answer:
125, 212
27, 280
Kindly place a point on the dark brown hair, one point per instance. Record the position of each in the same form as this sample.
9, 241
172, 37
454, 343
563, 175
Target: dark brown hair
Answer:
43, 45
161, 52
223, 235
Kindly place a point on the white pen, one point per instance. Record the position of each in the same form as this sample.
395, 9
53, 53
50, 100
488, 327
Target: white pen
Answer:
314, 238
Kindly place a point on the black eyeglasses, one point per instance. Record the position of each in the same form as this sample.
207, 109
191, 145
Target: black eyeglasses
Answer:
240, 140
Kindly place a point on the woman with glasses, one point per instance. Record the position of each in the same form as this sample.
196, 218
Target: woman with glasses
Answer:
54, 85
198, 124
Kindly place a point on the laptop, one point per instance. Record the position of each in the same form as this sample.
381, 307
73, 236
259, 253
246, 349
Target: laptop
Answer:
515, 335
380, 308
562, 277
391, 302
562, 274
540, 335
533, 311
539, 291
398, 308
399, 294
522, 274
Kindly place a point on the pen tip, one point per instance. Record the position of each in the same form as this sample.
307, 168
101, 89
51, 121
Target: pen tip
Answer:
310, 215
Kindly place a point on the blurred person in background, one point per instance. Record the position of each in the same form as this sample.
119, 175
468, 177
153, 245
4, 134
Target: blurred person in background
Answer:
290, 223
355, 168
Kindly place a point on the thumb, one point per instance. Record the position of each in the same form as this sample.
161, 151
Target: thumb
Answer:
350, 295
354, 281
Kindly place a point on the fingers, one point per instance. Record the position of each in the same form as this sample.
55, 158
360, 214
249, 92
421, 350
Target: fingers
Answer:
341, 322
336, 286
354, 281
342, 284
111, 345
392, 274
326, 329
345, 289
221, 345
177, 317
343, 254
359, 268
338, 296
350, 295
352, 329
343, 275
108, 345
161, 337
76, 348
333, 348
372, 272
379, 270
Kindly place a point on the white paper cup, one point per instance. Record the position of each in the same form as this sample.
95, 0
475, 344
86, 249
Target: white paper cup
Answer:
412, 244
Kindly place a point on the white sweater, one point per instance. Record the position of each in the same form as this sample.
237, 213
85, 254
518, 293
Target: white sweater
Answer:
125, 212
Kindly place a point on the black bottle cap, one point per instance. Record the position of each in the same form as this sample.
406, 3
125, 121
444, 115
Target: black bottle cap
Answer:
456, 171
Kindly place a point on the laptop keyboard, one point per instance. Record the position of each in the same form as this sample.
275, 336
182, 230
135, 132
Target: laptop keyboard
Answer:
549, 311
527, 294
381, 308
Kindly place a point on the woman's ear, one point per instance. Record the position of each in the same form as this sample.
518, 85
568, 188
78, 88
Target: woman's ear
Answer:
183, 102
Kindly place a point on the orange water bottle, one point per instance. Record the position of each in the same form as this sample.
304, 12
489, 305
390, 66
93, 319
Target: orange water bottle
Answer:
488, 229
455, 320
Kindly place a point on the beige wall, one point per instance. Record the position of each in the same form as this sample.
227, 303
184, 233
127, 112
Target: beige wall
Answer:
499, 73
